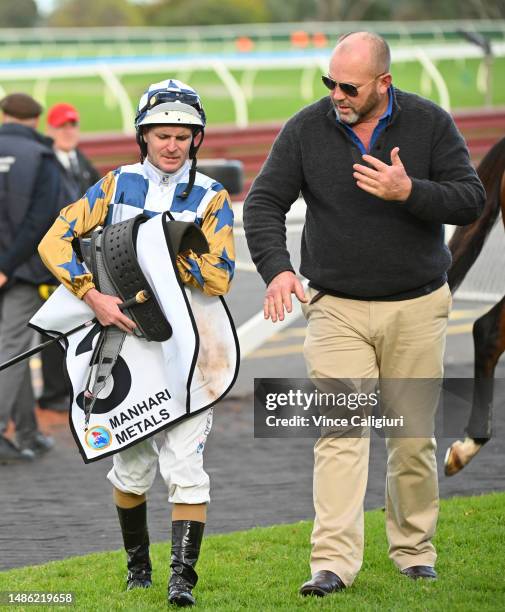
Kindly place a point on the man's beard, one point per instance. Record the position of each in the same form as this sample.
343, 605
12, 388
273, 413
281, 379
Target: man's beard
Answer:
354, 116
350, 119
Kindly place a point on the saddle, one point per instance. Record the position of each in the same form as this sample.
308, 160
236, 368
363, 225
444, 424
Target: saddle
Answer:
110, 255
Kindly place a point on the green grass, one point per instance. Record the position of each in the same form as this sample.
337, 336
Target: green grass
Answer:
262, 569
277, 94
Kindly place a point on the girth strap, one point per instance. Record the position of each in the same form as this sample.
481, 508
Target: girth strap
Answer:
110, 339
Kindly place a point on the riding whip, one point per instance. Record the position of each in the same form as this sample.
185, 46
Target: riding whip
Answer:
139, 298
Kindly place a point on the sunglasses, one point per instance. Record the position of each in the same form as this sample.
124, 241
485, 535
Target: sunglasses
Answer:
348, 88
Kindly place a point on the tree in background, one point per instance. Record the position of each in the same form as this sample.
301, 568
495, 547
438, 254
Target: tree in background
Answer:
22, 13
87, 13
294, 10
399, 10
18, 14
449, 9
206, 12
364, 10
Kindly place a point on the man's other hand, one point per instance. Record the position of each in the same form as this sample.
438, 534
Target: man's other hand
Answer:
278, 295
3, 279
107, 310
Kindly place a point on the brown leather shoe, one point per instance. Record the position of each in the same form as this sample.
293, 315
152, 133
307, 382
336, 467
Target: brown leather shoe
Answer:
322, 583
420, 571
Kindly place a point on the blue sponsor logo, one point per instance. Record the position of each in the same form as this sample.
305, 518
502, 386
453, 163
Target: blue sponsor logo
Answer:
98, 437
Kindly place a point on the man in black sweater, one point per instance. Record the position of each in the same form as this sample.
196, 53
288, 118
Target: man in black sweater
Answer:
381, 172
29, 188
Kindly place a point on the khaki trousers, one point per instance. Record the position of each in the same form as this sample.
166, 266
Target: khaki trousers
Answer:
367, 339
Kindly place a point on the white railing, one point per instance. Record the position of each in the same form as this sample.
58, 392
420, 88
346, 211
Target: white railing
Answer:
405, 29
112, 69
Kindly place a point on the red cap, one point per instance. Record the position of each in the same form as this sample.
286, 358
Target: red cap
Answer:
61, 113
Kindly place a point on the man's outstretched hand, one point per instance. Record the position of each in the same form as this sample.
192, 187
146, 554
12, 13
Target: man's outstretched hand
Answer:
107, 311
278, 295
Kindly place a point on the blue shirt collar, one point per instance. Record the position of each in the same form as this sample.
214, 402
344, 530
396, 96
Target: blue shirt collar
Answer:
384, 119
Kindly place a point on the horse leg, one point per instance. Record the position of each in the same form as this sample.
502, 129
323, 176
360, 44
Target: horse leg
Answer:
489, 343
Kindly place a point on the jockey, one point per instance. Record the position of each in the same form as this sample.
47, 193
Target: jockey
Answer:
170, 124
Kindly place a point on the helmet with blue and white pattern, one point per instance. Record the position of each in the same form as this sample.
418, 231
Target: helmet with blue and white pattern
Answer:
172, 102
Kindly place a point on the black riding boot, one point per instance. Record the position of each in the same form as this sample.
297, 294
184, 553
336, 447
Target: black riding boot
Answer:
186, 540
133, 523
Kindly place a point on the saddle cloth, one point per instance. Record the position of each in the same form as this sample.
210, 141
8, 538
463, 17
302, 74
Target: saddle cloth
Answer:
153, 385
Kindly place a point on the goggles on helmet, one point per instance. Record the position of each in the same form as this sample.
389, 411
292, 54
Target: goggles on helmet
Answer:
156, 98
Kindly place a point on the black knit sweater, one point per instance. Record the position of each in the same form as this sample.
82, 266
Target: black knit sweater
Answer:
354, 243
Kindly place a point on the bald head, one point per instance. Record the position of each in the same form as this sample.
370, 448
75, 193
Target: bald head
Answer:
359, 69
370, 48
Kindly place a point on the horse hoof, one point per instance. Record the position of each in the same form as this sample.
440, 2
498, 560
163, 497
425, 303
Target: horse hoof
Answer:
460, 454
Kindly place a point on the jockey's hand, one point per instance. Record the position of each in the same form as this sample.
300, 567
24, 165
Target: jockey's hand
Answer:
278, 295
107, 310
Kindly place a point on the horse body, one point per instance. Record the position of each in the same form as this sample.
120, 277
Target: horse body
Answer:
489, 330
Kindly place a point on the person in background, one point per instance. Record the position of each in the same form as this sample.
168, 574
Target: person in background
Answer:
77, 175
29, 189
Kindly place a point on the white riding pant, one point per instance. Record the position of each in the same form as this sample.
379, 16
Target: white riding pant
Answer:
181, 462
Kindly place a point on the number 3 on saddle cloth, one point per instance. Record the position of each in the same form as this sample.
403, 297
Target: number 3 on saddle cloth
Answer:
152, 384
